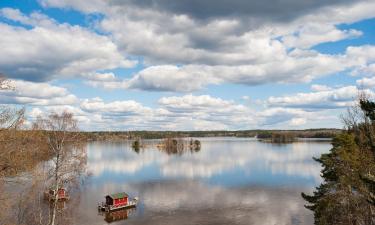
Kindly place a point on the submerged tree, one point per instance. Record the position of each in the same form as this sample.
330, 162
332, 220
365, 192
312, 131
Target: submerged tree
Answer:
66, 151
347, 194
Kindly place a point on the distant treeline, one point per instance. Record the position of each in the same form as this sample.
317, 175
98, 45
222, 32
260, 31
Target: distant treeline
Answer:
262, 134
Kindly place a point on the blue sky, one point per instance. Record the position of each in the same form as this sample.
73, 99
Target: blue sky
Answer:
191, 65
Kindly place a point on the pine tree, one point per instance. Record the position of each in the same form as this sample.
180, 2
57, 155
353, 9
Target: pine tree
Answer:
346, 195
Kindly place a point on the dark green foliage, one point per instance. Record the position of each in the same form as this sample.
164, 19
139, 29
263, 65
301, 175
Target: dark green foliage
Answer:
347, 194
136, 145
368, 108
342, 198
283, 137
264, 135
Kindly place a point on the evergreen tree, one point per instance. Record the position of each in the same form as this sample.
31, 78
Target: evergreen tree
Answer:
346, 195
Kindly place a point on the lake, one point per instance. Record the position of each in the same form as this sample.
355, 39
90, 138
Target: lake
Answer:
228, 181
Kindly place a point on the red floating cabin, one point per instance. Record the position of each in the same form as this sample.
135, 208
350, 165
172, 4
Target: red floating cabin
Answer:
117, 201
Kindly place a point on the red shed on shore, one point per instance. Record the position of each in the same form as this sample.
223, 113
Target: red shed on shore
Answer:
117, 200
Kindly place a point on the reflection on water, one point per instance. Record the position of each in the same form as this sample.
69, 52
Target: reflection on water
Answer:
229, 181
118, 215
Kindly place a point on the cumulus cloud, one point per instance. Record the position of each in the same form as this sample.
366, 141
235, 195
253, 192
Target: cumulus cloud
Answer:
322, 98
47, 50
188, 112
171, 78
314, 34
37, 94
116, 107
211, 8
289, 69
366, 82
226, 41
187, 46
320, 87
190, 103
193, 112
174, 113
297, 66
212, 42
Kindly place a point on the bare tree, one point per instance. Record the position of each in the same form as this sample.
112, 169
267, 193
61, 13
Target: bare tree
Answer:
66, 151
53, 140
11, 118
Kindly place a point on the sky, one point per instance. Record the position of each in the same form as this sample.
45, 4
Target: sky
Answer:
188, 64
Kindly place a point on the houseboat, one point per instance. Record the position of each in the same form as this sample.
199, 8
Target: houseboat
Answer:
62, 195
117, 201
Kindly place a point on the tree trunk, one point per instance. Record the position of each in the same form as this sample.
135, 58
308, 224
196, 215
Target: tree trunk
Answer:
56, 191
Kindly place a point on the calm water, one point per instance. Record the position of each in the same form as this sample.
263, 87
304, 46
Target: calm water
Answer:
229, 181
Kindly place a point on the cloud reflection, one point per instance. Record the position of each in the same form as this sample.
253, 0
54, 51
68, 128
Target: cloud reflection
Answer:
193, 202
247, 205
218, 156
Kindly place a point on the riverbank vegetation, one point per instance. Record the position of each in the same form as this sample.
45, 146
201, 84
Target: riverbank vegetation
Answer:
179, 145
278, 137
347, 195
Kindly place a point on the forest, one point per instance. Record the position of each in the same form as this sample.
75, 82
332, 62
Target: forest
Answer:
261, 134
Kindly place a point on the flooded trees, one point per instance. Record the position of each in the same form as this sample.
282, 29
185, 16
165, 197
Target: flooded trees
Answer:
178, 145
347, 194
65, 149
52, 142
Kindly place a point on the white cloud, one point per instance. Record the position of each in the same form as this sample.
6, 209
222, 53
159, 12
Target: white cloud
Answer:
72, 50
314, 34
366, 82
289, 69
233, 48
198, 103
39, 94
297, 66
185, 51
319, 87
117, 107
323, 98
298, 122
188, 112
171, 78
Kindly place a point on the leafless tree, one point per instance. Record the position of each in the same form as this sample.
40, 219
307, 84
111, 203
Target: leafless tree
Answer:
66, 151
53, 140
11, 118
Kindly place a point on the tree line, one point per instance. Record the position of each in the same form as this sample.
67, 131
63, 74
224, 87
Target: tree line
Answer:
262, 134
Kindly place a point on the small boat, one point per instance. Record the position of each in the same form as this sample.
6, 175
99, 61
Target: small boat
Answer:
62, 195
117, 201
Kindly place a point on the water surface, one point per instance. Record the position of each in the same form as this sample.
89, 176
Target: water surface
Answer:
229, 181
